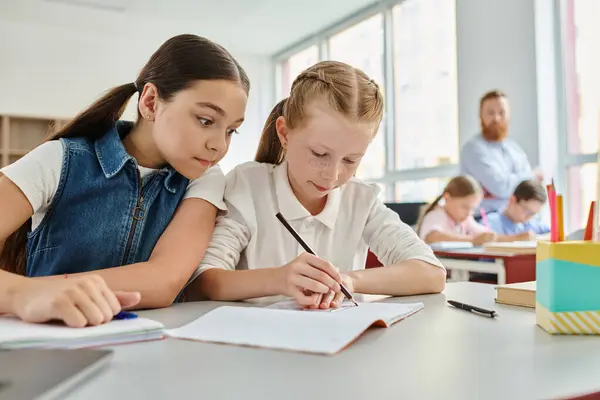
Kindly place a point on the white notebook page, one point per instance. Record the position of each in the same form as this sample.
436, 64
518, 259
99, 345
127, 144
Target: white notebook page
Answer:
284, 329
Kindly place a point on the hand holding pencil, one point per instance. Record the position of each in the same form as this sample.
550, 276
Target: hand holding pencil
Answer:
307, 279
347, 293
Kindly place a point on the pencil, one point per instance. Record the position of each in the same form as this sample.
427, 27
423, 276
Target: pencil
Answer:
560, 217
589, 227
553, 212
307, 248
484, 218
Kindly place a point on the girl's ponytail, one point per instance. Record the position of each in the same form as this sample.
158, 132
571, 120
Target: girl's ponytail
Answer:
97, 119
270, 149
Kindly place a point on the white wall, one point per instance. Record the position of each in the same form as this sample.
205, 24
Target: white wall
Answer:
47, 71
497, 50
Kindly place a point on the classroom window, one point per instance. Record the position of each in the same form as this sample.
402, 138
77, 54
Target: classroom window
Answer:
580, 34
424, 190
291, 67
582, 189
368, 37
425, 87
582, 63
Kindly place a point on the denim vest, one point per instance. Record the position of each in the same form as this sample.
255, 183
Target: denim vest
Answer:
102, 215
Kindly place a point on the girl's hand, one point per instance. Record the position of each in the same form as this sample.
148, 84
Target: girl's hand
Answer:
306, 278
77, 301
334, 300
484, 237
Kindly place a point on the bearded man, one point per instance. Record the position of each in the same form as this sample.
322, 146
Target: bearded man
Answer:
497, 162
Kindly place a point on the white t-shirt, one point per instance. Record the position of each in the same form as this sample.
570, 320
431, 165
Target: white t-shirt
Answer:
353, 220
37, 174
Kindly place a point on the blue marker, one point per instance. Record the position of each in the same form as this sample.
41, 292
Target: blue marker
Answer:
125, 315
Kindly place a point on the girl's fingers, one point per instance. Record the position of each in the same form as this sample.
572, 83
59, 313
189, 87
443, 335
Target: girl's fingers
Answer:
327, 299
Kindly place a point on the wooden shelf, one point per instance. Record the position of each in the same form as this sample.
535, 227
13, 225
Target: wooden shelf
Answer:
19, 135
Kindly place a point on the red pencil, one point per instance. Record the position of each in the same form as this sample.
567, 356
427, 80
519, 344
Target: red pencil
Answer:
589, 227
553, 212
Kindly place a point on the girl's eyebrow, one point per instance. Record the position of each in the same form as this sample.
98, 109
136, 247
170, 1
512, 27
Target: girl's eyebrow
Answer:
330, 150
216, 108
357, 154
212, 106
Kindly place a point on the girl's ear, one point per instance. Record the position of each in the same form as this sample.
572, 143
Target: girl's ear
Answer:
446, 196
148, 101
282, 131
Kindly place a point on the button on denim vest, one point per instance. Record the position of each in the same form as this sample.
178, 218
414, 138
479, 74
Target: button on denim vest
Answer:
102, 215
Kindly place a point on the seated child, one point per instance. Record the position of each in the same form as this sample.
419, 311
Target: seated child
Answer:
453, 221
518, 215
311, 146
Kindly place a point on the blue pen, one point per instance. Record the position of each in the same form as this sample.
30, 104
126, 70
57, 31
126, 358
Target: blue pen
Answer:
125, 315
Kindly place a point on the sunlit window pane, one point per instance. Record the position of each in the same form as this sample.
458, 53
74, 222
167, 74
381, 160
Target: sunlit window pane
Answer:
426, 97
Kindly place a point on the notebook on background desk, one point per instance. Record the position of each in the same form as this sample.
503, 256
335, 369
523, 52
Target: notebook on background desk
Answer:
522, 247
451, 245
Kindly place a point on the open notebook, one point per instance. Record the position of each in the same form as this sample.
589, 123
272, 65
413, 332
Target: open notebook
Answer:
321, 332
522, 247
451, 245
16, 334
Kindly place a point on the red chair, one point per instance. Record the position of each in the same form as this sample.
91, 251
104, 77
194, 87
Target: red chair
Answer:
589, 396
372, 261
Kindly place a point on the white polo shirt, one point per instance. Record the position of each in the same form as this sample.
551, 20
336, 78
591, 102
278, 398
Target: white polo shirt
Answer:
353, 220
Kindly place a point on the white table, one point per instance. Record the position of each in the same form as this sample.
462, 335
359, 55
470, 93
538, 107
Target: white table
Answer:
438, 353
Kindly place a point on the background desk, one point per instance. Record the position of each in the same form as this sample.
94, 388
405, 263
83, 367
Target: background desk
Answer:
510, 268
438, 353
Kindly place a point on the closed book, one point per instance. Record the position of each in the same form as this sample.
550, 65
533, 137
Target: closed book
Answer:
516, 294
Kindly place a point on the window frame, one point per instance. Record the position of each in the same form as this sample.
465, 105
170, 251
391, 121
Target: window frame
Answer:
385, 7
567, 93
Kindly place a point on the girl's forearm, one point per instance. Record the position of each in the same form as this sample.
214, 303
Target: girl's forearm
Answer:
407, 278
225, 285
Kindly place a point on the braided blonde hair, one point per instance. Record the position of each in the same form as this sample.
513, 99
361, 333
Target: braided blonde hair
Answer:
345, 89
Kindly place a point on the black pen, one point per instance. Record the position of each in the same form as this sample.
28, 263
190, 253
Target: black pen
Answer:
466, 307
306, 247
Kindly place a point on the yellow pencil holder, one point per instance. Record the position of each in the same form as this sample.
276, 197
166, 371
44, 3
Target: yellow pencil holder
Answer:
568, 287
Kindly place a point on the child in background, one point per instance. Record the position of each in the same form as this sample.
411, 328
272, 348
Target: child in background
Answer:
526, 202
310, 148
454, 222
134, 203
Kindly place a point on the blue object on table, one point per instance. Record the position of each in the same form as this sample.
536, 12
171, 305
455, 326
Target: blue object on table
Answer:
125, 315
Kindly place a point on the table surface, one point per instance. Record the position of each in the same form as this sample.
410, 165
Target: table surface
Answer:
440, 352
477, 252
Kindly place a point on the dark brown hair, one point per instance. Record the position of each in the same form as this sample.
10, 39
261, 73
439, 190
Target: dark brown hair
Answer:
459, 186
492, 94
530, 190
345, 89
175, 66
